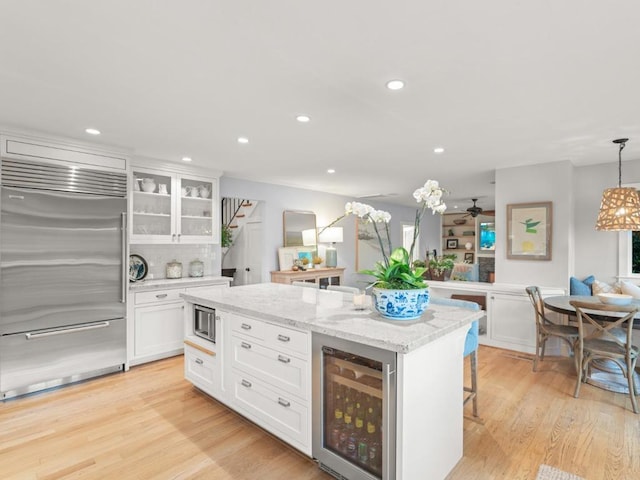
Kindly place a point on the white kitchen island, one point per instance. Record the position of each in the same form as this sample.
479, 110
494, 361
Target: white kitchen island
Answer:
261, 366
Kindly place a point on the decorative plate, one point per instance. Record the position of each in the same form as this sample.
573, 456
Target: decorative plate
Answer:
137, 268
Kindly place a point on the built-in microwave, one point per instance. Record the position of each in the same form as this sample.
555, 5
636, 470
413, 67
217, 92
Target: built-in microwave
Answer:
204, 322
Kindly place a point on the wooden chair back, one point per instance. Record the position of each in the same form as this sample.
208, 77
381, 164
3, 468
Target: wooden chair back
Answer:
605, 329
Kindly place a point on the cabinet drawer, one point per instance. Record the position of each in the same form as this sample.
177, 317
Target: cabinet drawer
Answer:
157, 296
200, 369
287, 340
283, 371
248, 326
288, 417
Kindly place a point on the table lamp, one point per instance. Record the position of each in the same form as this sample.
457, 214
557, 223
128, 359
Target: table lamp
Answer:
331, 235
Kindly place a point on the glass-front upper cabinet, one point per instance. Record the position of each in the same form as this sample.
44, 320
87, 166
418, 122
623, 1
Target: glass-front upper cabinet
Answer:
173, 208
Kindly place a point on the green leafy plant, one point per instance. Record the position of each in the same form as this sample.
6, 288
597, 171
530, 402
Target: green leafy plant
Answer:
226, 236
398, 274
440, 264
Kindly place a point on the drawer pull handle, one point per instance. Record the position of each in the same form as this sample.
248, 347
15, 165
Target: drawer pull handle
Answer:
283, 402
199, 361
245, 326
283, 338
283, 359
245, 345
161, 295
246, 383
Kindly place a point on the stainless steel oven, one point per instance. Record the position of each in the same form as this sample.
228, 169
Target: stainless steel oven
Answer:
204, 322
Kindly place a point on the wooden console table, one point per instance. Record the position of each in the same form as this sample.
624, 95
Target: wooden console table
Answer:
322, 276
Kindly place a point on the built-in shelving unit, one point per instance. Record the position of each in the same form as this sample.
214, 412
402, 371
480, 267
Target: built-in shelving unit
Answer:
458, 232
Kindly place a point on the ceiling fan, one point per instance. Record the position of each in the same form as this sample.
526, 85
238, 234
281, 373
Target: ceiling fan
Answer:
474, 210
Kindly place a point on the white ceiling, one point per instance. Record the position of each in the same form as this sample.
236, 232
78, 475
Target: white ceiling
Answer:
498, 83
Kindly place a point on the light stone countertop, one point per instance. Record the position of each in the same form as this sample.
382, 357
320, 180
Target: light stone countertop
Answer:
333, 313
158, 283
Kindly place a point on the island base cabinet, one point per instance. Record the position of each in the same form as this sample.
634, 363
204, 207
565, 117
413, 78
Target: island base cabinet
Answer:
271, 410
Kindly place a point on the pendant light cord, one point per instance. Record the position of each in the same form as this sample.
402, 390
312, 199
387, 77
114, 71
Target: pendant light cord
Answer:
622, 142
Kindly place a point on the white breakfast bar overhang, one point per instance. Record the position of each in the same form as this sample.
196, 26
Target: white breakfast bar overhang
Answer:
429, 370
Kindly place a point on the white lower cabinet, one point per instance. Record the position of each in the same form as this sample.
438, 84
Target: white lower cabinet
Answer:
512, 320
260, 369
282, 370
201, 367
266, 375
272, 409
158, 329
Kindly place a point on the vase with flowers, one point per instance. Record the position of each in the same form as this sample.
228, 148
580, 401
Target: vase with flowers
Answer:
399, 290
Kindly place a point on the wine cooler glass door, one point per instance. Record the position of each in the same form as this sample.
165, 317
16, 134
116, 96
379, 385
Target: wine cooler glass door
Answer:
357, 417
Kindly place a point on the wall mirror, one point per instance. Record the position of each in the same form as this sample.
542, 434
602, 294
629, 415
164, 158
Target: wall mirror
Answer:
299, 229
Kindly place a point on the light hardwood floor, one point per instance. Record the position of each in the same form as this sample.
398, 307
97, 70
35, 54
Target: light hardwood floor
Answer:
149, 423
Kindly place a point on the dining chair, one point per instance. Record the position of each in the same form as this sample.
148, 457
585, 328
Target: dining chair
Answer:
345, 289
470, 349
299, 283
546, 329
606, 340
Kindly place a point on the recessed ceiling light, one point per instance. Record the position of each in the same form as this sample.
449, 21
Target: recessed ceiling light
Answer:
438, 150
303, 118
395, 84
92, 131
243, 140
186, 159
331, 170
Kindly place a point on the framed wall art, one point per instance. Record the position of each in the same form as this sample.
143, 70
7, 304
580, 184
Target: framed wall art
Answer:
468, 257
452, 243
529, 231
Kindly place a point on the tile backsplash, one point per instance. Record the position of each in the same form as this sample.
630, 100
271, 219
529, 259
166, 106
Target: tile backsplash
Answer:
157, 257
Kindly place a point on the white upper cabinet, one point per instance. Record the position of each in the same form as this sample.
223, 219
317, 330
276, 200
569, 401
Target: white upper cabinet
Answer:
168, 207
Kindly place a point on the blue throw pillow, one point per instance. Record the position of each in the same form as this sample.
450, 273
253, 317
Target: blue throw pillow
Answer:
581, 287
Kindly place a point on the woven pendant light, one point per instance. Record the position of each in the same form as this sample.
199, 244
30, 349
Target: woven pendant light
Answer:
620, 206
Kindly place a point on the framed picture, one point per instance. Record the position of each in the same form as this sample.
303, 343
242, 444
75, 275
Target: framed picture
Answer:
452, 243
529, 231
286, 256
308, 255
468, 257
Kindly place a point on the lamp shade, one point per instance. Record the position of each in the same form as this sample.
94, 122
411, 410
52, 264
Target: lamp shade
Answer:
331, 235
619, 210
309, 237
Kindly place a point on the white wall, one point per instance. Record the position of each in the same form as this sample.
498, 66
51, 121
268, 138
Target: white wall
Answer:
539, 183
327, 208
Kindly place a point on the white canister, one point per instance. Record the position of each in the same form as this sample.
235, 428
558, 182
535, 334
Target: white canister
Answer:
196, 268
174, 269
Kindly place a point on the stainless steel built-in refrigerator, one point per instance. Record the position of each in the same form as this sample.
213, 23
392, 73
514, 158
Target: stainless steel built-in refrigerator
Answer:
62, 274
354, 404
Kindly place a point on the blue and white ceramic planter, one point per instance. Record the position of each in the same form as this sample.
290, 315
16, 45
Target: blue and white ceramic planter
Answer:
401, 304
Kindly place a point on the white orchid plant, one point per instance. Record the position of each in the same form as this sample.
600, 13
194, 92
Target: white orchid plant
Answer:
395, 271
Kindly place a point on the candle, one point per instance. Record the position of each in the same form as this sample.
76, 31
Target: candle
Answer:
358, 300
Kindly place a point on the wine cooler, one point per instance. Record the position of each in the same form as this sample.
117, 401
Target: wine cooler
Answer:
354, 409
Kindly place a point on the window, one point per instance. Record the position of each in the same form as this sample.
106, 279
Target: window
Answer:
407, 239
629, 251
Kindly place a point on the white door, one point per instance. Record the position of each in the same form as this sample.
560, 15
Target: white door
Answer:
253, 253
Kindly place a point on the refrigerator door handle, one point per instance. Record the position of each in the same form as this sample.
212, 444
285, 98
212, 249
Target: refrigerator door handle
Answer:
123, 237
64, 331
